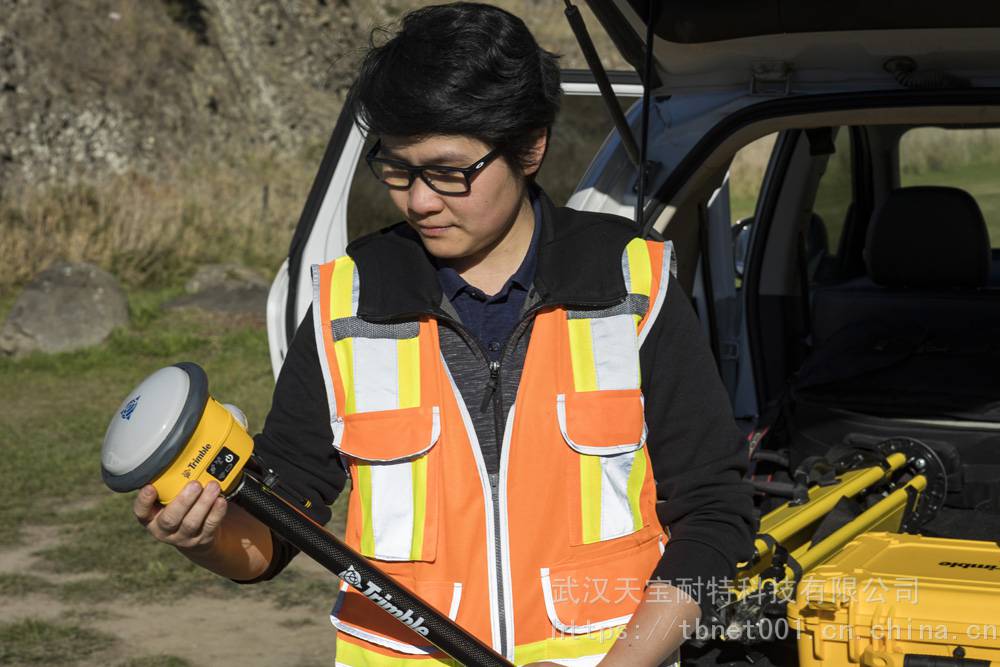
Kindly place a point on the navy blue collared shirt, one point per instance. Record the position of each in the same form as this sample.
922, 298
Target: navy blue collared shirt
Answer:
491, 319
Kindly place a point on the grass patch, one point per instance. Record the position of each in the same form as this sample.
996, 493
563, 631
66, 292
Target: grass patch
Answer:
978, 179
36, 642
57, 407
293, 623
56, 411
142, 568
155, 661
17, 585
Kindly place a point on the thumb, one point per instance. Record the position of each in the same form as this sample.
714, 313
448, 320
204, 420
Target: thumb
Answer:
143, 507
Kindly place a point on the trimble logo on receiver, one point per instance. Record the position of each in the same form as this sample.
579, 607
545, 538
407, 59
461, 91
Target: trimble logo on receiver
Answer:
193, 463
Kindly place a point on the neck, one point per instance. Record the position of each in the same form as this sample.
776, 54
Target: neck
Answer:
490, 268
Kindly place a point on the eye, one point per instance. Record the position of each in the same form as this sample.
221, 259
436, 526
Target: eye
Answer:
393, 175
446, 180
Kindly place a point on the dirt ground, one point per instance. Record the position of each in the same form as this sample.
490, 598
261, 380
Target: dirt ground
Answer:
198, 630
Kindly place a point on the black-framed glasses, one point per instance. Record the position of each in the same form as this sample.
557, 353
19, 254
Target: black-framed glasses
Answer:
400, 175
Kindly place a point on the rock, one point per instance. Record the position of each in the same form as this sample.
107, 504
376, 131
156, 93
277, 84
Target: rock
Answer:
225, 288
223, 276
65, 307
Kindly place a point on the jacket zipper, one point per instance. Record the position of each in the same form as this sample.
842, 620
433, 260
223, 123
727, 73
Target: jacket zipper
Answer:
494, 477
494, 394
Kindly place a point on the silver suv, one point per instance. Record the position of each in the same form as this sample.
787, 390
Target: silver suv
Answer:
829, 174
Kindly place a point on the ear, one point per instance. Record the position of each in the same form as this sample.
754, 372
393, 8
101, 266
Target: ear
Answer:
537, 152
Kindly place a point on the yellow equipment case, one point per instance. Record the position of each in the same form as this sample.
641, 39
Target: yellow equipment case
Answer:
897, 600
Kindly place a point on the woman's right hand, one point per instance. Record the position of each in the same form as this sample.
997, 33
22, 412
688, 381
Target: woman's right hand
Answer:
189, 522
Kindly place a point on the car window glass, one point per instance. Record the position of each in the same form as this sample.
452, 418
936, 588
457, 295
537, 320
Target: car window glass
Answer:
963, 158
581, 128
746, 174
833, 197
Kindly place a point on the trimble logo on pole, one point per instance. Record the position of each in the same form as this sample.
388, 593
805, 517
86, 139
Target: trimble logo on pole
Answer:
374, 593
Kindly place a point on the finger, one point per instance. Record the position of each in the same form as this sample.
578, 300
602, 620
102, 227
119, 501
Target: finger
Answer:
144, 505
169, 520
215, 517
191, 525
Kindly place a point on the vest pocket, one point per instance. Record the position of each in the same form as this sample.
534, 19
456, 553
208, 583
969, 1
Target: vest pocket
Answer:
395, 482
599, 593
355, 614
607, 430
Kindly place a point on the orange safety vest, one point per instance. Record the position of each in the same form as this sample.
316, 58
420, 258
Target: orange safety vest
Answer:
551, 562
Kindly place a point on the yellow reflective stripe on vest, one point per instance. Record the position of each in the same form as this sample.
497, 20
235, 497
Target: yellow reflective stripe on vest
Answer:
581, 350
604, 355
576, 650
343, 295
393, 499
344, 350
637, 269
573, 649
604, 348
408, 363
363, 479
377, 373
380, 373
636, 476
419, 480
610, 490
353, 655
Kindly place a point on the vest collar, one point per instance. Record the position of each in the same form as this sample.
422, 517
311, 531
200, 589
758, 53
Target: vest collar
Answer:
579, 264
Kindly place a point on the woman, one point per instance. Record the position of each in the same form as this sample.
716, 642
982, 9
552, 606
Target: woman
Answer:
536, 435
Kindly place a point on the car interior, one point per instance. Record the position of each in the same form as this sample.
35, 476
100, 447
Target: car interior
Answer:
870, 295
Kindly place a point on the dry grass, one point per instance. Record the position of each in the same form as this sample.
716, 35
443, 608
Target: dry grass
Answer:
147, 229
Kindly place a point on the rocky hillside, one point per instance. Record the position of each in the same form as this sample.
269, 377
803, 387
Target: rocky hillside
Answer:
105, 85
91, 88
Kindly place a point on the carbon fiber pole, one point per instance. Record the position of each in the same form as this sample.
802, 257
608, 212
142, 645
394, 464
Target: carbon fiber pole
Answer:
315, 541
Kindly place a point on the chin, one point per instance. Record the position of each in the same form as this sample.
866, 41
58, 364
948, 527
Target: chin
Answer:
443, 249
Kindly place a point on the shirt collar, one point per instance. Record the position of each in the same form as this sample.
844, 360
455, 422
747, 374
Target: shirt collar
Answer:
399, 281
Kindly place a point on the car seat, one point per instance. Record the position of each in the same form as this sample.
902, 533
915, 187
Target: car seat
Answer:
913, 348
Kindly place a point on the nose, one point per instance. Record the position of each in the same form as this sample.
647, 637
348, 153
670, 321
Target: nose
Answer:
422, 201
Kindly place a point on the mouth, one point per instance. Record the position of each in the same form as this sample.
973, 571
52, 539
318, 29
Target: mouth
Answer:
432, 230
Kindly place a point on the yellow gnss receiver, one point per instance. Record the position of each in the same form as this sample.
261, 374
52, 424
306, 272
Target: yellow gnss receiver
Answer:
169, 432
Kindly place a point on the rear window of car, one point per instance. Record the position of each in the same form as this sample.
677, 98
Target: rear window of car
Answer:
963, 158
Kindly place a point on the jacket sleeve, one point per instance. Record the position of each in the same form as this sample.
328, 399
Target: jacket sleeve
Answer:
297, 441
699, 457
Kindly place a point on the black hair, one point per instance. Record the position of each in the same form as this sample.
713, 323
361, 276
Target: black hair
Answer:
460, 69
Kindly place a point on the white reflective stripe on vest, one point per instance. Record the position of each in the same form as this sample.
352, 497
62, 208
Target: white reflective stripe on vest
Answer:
392, 510
616, 358
376, 374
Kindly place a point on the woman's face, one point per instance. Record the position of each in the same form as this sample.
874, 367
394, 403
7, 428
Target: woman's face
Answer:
458, 226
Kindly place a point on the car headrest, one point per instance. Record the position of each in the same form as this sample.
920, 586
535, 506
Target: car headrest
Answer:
928, 236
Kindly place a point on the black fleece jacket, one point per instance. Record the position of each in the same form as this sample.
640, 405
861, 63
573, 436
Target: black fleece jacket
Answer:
698, 455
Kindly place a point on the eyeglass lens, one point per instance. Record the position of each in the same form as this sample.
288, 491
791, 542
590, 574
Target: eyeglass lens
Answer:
443, 180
